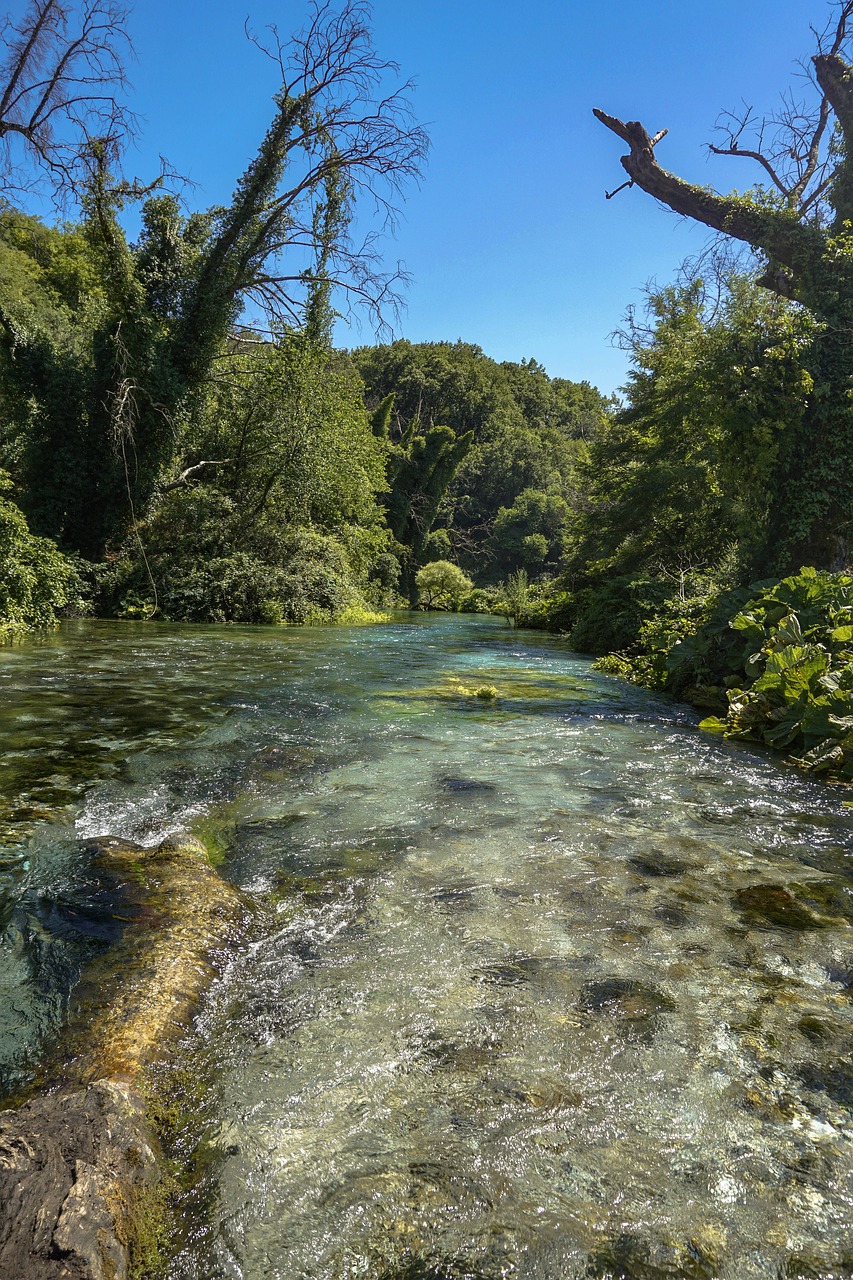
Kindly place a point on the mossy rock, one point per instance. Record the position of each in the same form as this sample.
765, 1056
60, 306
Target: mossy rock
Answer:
82, 1175
775, 905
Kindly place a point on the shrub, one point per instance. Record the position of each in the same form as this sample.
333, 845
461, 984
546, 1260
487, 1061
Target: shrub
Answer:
442, 585
36, 579
609, 614
787, 659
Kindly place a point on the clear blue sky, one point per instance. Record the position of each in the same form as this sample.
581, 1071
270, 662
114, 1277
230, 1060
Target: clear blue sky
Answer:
509, 240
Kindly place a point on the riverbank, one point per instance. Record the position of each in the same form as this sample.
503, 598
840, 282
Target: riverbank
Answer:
82, 1177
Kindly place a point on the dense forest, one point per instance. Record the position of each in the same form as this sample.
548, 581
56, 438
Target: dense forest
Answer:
181, 439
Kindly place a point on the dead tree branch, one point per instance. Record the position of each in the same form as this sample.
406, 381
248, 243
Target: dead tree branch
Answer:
62, 83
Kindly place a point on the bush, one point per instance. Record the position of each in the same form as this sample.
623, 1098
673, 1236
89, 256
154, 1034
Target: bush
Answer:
776, 658
481, 600
442, 585
787, 659
610, 614
36, 579
207, 568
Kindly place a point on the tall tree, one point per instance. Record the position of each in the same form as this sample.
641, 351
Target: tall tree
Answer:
800, 225
104, 430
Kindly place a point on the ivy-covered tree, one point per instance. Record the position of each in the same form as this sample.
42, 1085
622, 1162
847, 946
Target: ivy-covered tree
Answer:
420, 470
799, 223
103, 418
528, 430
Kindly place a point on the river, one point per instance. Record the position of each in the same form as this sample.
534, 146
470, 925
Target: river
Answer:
550, 985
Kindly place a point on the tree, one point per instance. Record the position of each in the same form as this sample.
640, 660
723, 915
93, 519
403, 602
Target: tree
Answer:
104, 425
529, 534
442, 585
528, 431
800, 226
690, 466
35, 578
420, 470
61, 84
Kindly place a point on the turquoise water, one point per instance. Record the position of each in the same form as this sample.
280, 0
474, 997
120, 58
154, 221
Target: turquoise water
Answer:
547, 986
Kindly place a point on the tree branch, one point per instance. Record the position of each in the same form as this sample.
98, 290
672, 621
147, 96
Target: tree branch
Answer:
189, 473
775, 232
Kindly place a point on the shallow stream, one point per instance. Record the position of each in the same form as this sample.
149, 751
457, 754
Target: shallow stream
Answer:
550, 986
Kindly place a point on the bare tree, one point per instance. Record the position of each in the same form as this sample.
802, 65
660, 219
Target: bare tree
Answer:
345, 135
798, 225
796, 148
61, 83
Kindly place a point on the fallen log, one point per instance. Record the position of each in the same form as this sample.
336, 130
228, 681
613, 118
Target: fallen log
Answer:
81, 1170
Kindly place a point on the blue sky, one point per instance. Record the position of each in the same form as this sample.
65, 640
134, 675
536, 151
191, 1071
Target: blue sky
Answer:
509, 240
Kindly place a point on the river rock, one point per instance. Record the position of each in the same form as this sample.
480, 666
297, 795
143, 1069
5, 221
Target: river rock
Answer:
79, 1162
76, 1169
631, 1005
775, 905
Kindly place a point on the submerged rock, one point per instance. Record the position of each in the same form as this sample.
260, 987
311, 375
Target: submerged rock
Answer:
675, 917
775, 905
629, 1257
835, 1079
454, 784
631, 1005
658, 863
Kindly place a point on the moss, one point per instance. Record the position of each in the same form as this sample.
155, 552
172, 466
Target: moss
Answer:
486, 692
496, 685
147, 1222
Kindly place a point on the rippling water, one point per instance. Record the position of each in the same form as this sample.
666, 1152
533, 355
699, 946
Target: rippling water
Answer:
551, 986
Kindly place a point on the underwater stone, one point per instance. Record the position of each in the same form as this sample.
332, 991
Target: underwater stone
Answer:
432, 1268
777, 906
814, 1029
675, 917
633, 1004
658, 863
835, 1079
451, 783
629, 1257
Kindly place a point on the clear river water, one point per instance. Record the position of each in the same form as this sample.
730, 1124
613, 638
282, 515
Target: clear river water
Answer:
548, 986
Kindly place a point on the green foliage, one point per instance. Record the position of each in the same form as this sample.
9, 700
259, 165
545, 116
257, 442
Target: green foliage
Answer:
482, 600
791, 683
693, 462
442, 585
528, 432
514, 598
776, 657
529, 534
420, 470
609, 614
206, 568
35, 578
